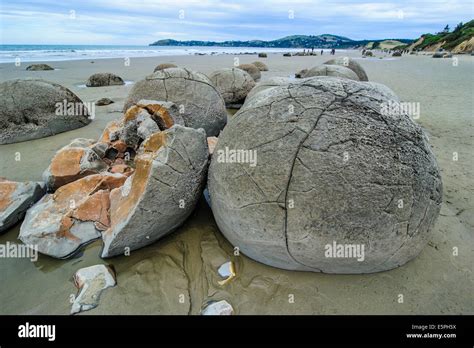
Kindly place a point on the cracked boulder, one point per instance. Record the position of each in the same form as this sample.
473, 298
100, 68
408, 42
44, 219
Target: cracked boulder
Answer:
252, 70
233, 84
338, 184
331, 70
60, 223
170, 171
104, 79
351, 64
197, 99
269, 83
15, 199
33, 108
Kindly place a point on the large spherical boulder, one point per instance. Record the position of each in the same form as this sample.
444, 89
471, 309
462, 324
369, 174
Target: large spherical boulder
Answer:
164, 66
31, 109
233, 84
321, 176
197, 98
260, 66
252, 70
351, 64
104, 79
332, 70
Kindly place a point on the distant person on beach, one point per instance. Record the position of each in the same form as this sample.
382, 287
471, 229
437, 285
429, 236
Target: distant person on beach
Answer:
333, 51
322, 52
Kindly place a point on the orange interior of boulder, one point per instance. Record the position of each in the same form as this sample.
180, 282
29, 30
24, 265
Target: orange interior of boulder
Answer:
122, 206
6, 190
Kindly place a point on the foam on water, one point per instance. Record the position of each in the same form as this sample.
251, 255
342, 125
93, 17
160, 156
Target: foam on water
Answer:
37, 53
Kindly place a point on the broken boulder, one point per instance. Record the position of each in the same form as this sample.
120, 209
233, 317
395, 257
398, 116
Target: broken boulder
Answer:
170, 170
60, 223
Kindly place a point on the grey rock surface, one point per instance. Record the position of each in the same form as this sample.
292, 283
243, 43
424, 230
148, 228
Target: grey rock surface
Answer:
163, 191
15, 199
260, 65
233, 84
334, 169
34, 108
351, 64
196, 97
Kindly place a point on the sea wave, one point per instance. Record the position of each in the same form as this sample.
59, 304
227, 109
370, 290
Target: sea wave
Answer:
36, 53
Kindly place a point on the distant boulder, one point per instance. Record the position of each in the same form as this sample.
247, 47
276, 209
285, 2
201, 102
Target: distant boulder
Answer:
301, 74
104, 101
286, 54
332, 70
252, 70
233, 84
262, 55
351, 64
260, 66
397, 54
33, 108
164, 66
197, 99
104, 79
39, 67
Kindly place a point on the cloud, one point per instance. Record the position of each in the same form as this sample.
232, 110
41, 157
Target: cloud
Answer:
139, 23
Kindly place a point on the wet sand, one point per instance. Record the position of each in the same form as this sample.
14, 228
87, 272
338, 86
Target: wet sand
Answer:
152, 280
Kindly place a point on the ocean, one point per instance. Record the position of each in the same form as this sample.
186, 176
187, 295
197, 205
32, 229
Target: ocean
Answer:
40, 53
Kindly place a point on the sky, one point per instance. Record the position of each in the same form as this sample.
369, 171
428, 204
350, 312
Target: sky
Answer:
121, 22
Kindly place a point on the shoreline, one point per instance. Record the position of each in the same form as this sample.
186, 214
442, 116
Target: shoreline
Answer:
186, 260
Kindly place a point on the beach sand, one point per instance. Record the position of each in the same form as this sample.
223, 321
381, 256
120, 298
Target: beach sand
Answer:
152, 280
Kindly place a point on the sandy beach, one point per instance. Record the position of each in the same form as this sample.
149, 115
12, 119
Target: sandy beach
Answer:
151, 280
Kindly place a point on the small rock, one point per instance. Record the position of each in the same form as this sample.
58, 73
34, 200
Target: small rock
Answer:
211, 144
218, 308
104, 101
91, 281
39, 67
286, 54
226, 271
262, 55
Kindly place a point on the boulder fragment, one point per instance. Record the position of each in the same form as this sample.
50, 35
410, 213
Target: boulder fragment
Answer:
60, 223
91, 281
15, 199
